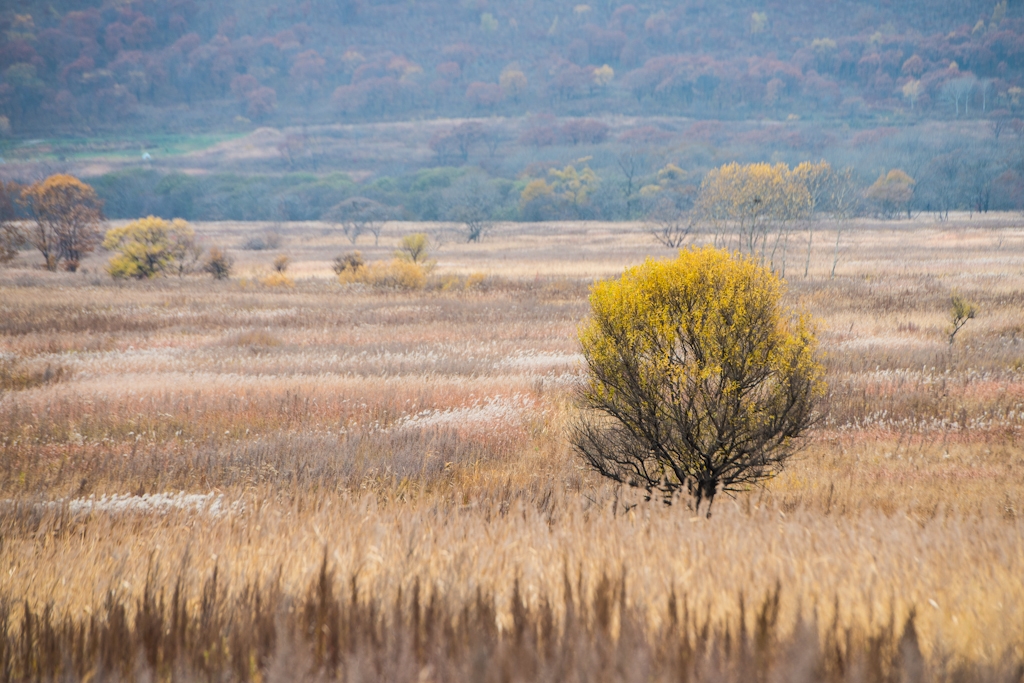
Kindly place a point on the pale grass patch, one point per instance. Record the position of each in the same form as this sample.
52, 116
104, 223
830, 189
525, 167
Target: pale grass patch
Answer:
493, 411
211, 504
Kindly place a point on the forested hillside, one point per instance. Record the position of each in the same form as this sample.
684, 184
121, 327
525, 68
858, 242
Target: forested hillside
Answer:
79, 67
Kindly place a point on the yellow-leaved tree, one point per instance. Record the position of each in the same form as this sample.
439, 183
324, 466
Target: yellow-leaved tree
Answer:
700, 381
758, 201
573, 186
151, 246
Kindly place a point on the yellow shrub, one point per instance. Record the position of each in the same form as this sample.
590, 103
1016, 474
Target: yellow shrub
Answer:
395, 274
475, 280
448, 282
278, 279
451, 282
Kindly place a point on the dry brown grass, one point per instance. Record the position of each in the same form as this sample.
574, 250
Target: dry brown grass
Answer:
416, 440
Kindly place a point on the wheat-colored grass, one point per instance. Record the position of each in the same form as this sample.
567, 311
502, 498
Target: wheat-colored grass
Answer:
417, 438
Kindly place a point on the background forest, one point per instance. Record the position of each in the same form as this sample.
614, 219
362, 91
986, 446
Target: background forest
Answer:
502, 94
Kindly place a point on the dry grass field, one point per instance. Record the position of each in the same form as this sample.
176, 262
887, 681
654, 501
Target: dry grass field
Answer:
208, 480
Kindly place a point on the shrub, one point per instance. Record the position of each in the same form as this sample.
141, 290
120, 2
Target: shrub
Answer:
268, 240
277, 279
218, 264
475, 280
281, 263
351, 261
451, 282
149, 246
395, 274
698, 379
960, 311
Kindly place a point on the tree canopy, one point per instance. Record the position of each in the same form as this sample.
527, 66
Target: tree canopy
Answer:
149, 247
699, 380
68, 215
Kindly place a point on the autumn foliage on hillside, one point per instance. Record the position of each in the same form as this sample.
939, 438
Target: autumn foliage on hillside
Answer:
93, 64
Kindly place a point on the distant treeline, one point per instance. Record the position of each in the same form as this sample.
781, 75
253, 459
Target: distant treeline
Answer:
81, 66
288, 197
632, 185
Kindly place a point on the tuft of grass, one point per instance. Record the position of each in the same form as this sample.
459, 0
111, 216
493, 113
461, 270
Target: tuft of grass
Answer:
277, 279
336, 629
16, 376
254, 339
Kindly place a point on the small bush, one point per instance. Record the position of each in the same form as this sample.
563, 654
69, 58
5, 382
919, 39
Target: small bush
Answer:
281, 263
150, 247
350, 261
450, 282
218, 264
254, 339
396, 274
476, 280
277, 279
268, 240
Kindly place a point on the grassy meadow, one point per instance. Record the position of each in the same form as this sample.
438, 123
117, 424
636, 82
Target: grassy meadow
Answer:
226, 481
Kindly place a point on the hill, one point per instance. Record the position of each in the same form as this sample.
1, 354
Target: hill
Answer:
195, 64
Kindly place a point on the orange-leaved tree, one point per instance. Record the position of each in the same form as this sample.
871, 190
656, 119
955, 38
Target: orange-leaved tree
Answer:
699, 380
68, 217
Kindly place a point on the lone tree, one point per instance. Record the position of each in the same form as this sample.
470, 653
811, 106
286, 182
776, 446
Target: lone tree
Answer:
68, 215
960, 311
472, 201
414, 248
699, 379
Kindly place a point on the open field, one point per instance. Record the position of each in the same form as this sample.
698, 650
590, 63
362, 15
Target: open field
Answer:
225, 480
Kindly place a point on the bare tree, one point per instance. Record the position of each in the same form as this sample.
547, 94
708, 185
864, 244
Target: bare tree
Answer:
958, 91
944, 182
634, 163
842, 205
985, 88
358, 216
471, 201
669, 224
